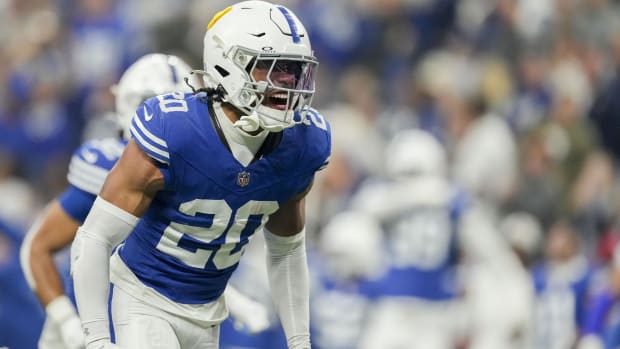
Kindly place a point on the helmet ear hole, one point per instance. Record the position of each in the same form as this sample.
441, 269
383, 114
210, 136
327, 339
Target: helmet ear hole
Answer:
223, 72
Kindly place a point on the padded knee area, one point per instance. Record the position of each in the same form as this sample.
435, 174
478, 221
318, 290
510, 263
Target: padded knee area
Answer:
146, 332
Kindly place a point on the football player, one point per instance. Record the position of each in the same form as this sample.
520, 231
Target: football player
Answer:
350, 256
150, 75
429, 224
200, 175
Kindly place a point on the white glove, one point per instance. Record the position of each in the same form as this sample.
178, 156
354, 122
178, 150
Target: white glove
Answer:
102, 344
590, 341
249, 316
64, 316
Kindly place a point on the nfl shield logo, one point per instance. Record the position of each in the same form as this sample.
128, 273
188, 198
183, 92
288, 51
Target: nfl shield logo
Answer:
243, 178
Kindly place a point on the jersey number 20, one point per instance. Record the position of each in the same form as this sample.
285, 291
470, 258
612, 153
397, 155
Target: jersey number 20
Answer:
199, 237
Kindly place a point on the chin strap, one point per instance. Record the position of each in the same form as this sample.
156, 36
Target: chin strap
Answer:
249, 123
253, 122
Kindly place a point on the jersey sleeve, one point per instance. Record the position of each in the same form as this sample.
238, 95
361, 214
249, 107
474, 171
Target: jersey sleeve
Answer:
88, 168
148, 131
76, 202
319, 140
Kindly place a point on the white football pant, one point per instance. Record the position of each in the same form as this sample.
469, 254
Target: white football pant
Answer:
141, 326
409, 323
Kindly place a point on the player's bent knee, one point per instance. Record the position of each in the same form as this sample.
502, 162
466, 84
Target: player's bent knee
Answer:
146, 332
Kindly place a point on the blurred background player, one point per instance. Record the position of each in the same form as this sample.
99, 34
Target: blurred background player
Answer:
200, 175
151, 75
430, 228
348, 259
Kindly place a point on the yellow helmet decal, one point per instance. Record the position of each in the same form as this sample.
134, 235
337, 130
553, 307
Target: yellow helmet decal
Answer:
218, 16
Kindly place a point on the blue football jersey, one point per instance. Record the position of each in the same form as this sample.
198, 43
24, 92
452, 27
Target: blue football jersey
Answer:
601, 313
88, 169
561, 301
339, 309
92, 161
423, 251
190, 239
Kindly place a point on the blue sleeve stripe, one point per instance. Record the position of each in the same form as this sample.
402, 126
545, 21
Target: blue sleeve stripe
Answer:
85, 182
86, 176
148, 134
76, 202
150, 149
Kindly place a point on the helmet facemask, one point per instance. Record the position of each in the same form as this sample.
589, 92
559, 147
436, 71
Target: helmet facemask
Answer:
276, 87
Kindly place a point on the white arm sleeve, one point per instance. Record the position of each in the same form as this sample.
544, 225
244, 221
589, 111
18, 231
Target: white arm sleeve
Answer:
105, 227
482, 241
287, 268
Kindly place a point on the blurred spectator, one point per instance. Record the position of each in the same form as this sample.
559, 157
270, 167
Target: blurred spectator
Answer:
601, 328
532, 101
18, 202
606, 107
594, 200
484, 150
562, 283
537, 190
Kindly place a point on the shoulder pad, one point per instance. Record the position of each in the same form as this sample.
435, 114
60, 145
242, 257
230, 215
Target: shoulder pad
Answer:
91, 163
150, 126
318, 139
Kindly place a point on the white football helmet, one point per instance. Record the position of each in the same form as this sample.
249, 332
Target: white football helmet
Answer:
259, 55
352, 245
413, 153
151, 75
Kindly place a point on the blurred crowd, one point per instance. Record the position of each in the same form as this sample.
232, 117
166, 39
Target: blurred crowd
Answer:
522, 95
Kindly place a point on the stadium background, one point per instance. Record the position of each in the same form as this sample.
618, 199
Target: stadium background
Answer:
524, 94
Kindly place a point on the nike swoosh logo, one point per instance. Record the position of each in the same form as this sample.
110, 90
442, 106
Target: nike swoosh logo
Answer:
147, 116
89, 156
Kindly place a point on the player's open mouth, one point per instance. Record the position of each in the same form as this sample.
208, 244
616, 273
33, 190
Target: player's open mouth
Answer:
277, 100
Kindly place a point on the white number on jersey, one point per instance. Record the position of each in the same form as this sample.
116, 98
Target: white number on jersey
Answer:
110, 148
555, 318
172, 102
421, 239
222, 215
313, 117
